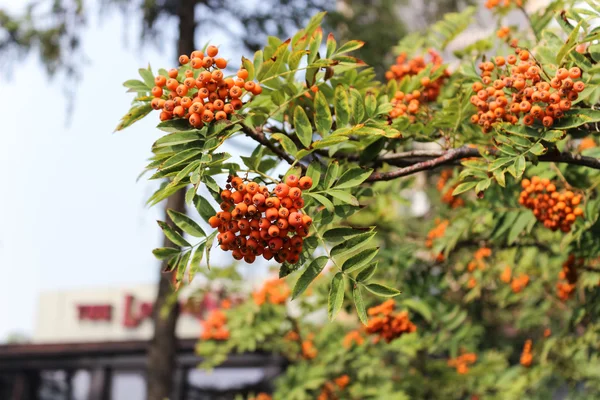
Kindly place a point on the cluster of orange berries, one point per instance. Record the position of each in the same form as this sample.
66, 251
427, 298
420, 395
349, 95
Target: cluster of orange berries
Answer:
307, 347
447, 197
309, 351
503, 32
386, 324
214, 328
254, 221
403, 67
353, 338
462, 362
521, 89
409, 103
478, 262
203, 94
437, 232
556, 210
329, 390
526, 356
274, 291
568, 278
502, 3
506, 274
586, 143
262, 396
519, 283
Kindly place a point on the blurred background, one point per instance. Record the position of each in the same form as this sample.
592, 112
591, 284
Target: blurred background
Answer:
78, 277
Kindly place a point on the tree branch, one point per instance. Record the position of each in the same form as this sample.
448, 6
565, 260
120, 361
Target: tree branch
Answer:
260, 137
436, 158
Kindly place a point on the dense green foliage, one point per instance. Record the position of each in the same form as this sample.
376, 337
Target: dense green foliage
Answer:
478, 274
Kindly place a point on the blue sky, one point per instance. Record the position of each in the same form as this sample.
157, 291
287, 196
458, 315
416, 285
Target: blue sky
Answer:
71, 212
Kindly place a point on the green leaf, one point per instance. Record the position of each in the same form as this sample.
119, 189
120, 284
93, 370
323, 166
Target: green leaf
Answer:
342, 106
287, 143
205, 209
483, 185
176, 138
344, 197
329, 141
569, 44
186, 224
336, 295
519, 165
323, 119
419, 306
370, 104
554, 136
463, 187
249, 66
367, 273
303, 127
576, 117
173, 235
182, 265
209, 243
135, 114
310, 273
331, 45
381, 290
314, 171
353, 177
358, 108
331, 174
321, 199
359, 260
499, 177
538, 149
338, 234
350, 46
519, 226
181, 157
352, 244
147, 76
360, 304
499, 162
137, 85
163, 253
196, 260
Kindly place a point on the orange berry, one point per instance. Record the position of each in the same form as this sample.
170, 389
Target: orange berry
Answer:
574, 72
220, 115
157, 91
183, 59
212, 51
195, 120
165, 116
282, 190
179, 111
173, 72
160, 81
207, 116
172, 84
249, 86
305, 182
292, 181
257, 89
243, 74
221, 63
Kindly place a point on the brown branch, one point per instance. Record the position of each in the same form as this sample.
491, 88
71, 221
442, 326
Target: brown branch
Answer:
446, 157
260, 137
436, 158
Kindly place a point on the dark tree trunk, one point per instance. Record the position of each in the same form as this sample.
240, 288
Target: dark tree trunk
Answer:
163, 347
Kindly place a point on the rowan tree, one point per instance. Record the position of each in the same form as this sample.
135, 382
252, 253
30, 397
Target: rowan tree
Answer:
491, 293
